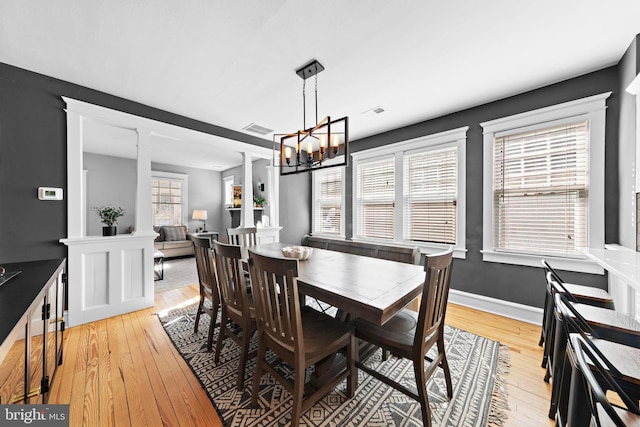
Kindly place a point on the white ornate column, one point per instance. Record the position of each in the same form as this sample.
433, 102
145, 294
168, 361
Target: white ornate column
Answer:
273, 196
246, 210
143, 194
75, 196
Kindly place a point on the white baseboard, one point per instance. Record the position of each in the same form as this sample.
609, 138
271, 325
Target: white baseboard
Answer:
512, 310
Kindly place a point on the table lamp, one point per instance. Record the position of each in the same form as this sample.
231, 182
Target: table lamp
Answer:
202, 216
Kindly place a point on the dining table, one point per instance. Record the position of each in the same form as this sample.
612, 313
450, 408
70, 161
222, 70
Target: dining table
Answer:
369, 288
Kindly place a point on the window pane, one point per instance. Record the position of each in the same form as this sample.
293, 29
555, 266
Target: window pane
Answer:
375, 199
430, 193
166, 199
328, 201
541, 190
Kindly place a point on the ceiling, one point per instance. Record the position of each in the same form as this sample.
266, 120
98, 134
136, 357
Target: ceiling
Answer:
232, 63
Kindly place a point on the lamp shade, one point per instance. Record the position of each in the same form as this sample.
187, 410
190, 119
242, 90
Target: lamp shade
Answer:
199, 214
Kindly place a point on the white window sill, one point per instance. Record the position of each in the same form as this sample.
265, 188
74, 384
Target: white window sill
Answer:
580, 265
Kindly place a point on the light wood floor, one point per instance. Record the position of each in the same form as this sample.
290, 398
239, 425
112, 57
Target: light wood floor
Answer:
125, 371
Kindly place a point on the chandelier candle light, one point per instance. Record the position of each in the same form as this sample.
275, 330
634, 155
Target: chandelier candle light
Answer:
321, 146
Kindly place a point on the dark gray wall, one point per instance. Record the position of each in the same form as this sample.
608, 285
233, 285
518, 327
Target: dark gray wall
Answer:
33, 150
295, 207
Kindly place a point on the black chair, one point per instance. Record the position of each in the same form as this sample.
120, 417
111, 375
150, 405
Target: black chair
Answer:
411, 335
576, 294
594, 370
585, 320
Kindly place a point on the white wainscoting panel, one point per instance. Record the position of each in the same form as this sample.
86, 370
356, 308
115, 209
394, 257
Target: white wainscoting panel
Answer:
109, 276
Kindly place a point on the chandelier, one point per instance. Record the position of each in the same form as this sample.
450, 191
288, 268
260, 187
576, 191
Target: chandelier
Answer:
326, 144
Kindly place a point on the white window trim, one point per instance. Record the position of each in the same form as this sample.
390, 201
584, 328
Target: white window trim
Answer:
343, 199
591, 108
454, 137
185, 190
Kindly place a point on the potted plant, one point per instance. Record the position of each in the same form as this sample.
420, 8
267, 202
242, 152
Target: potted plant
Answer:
259, 202
109, 217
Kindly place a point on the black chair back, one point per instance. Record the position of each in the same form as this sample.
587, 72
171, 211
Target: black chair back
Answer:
600, 365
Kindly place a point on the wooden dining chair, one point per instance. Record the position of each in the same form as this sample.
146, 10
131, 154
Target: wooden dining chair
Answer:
411, 335
299, 336
575, 293
208, 285
238, 320
242, 236
594, 370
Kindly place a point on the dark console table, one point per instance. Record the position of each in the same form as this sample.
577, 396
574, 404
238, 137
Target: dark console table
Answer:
31, 329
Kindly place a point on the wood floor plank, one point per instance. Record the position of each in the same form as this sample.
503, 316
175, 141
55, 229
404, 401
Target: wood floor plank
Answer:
76, 411
164, 392
137, 345
61, 390
180, 372
115, 333
91, 408
105, 386
135, 392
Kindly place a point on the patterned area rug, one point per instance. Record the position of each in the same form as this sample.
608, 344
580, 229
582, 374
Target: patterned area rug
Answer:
178, 272
478, 369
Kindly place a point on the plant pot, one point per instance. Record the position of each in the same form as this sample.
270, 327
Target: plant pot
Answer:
109, 231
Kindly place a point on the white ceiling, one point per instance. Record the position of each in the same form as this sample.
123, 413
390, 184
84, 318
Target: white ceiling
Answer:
232, 63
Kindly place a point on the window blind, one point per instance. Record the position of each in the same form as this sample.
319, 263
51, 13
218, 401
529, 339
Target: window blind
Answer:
375, 198
166, 200
328, 201
541, 190
430, 195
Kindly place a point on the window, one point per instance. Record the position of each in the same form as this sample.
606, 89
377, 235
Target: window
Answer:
328, 201
430, 195
545, 173
168, 198
413, 192
375, 197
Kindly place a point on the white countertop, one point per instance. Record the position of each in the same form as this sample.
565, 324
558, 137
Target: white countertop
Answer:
618, 260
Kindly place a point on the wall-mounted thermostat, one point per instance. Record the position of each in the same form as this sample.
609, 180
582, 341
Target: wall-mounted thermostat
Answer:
49, 193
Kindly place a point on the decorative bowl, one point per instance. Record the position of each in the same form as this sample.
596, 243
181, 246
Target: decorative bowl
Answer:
297, 252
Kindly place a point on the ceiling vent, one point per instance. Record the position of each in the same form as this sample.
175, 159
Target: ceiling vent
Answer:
260, 130
376, 110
